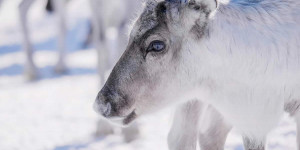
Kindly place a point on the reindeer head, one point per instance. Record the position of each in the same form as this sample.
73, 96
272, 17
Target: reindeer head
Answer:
155, 70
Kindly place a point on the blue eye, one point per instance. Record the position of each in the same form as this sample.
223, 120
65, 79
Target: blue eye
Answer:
156, 46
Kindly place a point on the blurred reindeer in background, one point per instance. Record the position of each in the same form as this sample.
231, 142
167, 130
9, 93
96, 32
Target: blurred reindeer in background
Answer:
108, 18
57, 6
106, 21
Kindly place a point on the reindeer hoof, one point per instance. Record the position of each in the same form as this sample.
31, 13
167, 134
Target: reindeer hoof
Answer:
131, 133
31, 74
60, 69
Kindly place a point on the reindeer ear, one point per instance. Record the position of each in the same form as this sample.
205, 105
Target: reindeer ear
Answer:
207, 6
204, 6
189, 14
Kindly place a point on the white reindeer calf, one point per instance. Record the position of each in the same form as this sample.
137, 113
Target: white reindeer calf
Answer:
241, 57
30, 67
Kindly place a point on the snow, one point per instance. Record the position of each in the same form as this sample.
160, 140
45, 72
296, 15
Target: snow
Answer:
55, 112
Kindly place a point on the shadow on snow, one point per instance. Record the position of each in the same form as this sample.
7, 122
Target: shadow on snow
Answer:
45, 72
78, 146
75, 40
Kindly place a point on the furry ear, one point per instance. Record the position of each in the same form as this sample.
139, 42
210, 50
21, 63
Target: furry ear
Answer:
207, 6
188, 14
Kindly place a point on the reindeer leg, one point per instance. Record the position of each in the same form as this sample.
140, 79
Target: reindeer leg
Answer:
184, 132
99, 40
213, 136
253, 144
297, 118
131, 133
59, 7
30, 68
104, 128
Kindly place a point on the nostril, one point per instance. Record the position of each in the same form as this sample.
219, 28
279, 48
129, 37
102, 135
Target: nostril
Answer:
104, 103
102, 107
106, 109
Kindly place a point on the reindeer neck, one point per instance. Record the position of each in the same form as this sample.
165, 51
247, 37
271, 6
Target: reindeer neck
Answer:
261, 34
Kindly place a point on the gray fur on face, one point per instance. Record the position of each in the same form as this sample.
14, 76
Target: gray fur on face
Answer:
137, 77
173, 14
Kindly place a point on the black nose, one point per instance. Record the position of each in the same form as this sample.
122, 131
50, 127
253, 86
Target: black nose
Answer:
102, 106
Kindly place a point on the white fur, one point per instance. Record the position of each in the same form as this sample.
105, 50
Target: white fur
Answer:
248, 68
242, 59
250, 63
194, 121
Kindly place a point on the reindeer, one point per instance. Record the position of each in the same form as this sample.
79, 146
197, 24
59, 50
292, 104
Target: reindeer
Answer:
240, 57
30, 67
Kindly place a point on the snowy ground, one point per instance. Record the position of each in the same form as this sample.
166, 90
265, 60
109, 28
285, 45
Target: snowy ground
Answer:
55, 112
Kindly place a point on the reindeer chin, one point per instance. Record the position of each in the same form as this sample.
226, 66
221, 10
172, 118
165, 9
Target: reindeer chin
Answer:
123, 121
130, 118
